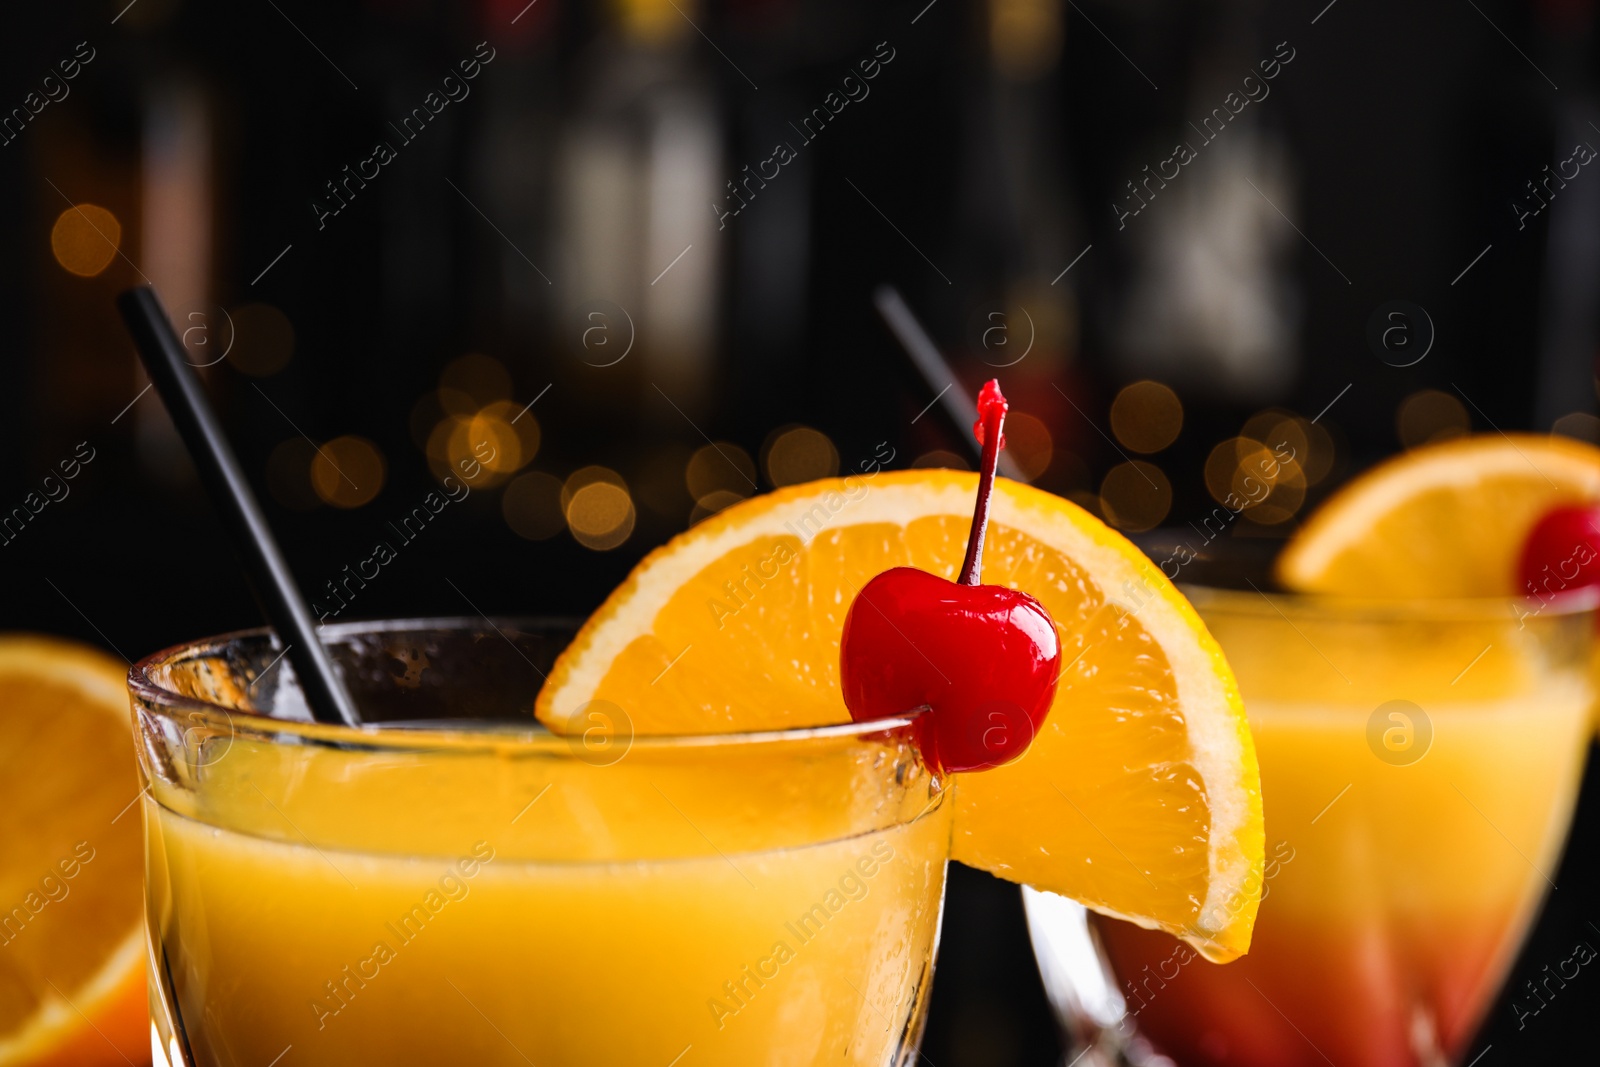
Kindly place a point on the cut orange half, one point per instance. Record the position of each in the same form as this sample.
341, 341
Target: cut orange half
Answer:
1445, 520
1140, 797
72, 955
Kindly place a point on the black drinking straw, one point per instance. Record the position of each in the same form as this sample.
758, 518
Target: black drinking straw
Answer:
165, 360
958, 408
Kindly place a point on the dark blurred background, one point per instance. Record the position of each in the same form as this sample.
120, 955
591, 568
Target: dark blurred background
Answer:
634, 245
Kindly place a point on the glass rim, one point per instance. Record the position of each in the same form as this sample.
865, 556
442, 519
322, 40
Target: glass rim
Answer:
1577, 601
534, 738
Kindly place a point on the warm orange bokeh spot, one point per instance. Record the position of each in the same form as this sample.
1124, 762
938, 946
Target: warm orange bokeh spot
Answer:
85, 238
1135, 496
599, 509
1146, 416
1028, 440
347, 472
799, 454
723, 465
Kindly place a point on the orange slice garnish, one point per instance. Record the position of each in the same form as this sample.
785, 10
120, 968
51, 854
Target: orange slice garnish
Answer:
1140, 797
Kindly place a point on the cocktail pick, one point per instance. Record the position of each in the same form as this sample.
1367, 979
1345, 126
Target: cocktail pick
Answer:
957, 406
164, 359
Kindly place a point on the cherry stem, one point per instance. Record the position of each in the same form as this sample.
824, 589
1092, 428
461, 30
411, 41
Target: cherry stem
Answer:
993, 416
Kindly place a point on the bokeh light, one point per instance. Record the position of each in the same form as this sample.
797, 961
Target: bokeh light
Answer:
940, 459
1025, 37
584, 476
601, 516
1225, 473
469, 383
712, 503
648, 22
1135, 496
531, 505
598, 508
289, 474
439, 445
1146, 416
1029, 444
1285, 432
799, 454
1580, 425
450, 454
721, 466
1267, 427
510, 431
1246, 476
1316, 462
347, 472
263, 340
1430, 415
484, 448
1281, 505
85, 239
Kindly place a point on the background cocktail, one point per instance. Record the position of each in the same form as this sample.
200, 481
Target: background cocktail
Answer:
1419, 768
499, 896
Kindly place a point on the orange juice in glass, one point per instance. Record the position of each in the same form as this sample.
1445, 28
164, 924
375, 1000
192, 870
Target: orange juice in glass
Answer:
1420, 763
452, 884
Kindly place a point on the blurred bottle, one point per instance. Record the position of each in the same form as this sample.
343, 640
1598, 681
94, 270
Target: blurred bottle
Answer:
639, 158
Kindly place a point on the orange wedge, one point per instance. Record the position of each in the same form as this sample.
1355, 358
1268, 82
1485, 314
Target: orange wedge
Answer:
1140, 797
1445, 520
72, 958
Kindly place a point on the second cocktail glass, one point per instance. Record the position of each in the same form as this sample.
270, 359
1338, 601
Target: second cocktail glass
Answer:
1419, 767
452, 884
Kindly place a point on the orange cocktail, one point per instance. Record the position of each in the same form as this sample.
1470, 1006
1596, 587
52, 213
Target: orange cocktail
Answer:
1419, 768
489, 893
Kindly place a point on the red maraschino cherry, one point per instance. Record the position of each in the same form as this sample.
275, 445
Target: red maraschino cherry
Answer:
984, 659
1562, 552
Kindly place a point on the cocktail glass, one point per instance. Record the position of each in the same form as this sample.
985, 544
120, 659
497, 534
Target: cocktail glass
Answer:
453, 884
1419, 767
